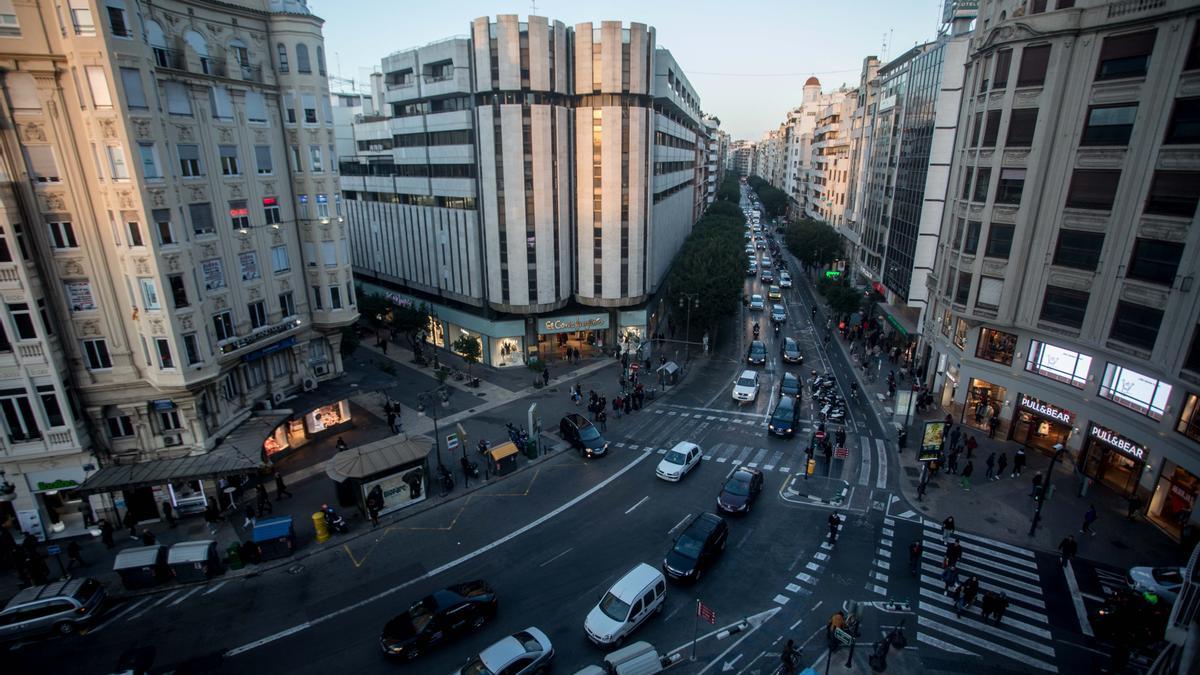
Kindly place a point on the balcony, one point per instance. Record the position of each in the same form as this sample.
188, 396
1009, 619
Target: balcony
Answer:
10, 276
31, 351
176, 59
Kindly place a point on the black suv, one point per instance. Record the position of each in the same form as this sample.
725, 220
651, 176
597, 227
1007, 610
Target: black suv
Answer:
446, 613
790, 385
786, 417
582, 435
756, 355
697, 548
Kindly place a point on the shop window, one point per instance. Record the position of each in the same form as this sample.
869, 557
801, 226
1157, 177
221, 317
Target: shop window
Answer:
1155, 261
1109, 124
1136, 325
1056, 363
947, 320
996, 346
169, 419
1185, 122
1125, 55
992, 131
999, 242
971, 244
1064, 306
1079, 250
1010, 186
1135, 391
1189, 418
960, 334
1093, 189
1174, 193
256, 374
983, 177
1021, 124
1034, 60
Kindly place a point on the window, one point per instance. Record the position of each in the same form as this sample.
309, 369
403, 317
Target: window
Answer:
248, 262
191, 349
95, 353
1064, 306
213, 271
135, 95
222, 104
992, 130
999, 242
1185, 121
990, 291
79, 297
5, 253
1034, 60
258, 314
1021, 124
81, 17
1109, 125
229, 160
971, 243
189, 161
1125, 55
256, 107
98, 84
116, 19
1003, 65
297, 166
1077, 249
976, 129
996, 346
1174, 193
287, 304
119, 426
1059, 364
262, 160
179, 297
271, 210
223, 325
1192, 362
314, 156
963, 290
1155, 261
279, 259
309, 103
9, 25
162, 225
54, 416
1136, 325
350, 293
281, 49
1135, 391
329, 253
202, 218
116, 162
5, 344
45, 315
18, 416
322, 206
317, 302
21, 241
42, 166
149, 158
62, 235
149, 293
302, 64
178, 100
239, 214
302, 205
982, 179
163, 347
1093, 189
22, 320
335, 297
135, 233
280, 365
256, 374
320, 59
1010, 186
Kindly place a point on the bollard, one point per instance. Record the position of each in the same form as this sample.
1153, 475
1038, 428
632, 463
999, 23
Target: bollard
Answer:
320, 527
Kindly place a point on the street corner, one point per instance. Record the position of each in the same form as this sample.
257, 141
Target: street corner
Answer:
813, 490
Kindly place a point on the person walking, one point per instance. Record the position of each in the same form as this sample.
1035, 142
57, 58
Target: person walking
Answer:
1018, 462
971, 444
74, 555
1089, 517
970, 591
1001, 605
988, 605
168, 513
1067, 547
950, 577
1035, 485
106, 533
947, 528
131, 522
211, 517
965, 481
990, 463
602, 418
835, 523
993, 424
952, 462
280, 487
618, 405
545, 376
954, 552
628, 407
915, 550
248, 512
955, 436
1001, 464
341, 445
261, 500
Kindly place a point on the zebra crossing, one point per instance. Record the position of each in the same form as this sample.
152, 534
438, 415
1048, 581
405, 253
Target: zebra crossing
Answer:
734, 454
881, 564
1023, 634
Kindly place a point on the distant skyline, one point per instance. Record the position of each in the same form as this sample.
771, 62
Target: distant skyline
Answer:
747, 60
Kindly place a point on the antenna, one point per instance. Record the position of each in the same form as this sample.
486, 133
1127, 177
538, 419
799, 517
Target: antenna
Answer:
533, 7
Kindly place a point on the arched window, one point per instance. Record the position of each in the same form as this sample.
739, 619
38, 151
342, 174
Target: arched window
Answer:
22, 91
199, 45
239, 53
302, 63
158, 44
283, 62
320, 59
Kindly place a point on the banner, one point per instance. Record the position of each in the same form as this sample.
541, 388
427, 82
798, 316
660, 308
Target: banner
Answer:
931, 441
401, 489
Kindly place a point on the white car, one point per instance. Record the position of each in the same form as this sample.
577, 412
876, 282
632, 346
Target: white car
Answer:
785, 280
528, 651
679, 460
746, 386
756, 302
1163, 581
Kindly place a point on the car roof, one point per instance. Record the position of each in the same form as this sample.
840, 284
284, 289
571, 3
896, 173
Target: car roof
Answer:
777, 306
684, 446
635, 580
704, 523
499, 654
56, 589
577, 419
738, 471
785, 402
758, 344
786, 342
748, 373
790, 377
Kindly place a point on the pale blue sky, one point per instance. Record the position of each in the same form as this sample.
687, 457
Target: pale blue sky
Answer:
748, 59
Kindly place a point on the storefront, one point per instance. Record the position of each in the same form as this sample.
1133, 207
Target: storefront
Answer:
60, 508
295, 432
950, 383
1174, 497
508, 351
586, 332
984, 399
395, 469
1112, 459
1040, 425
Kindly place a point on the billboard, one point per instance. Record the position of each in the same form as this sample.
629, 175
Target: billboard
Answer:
931, 441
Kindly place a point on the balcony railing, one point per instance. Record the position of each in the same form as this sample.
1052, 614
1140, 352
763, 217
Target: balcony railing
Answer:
177, 60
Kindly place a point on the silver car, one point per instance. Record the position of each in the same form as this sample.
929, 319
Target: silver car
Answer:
61, 607
528, 651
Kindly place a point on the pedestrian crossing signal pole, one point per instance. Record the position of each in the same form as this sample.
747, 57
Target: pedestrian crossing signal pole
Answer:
1059, 449
695, 628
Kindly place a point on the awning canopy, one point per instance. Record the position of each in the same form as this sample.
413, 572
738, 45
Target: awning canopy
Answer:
670, 367
372, 458
503, 450
898, 319
239, 453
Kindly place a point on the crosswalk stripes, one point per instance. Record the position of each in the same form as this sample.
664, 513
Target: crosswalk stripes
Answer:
758, 458
1023, 634
1111, 582
881, 565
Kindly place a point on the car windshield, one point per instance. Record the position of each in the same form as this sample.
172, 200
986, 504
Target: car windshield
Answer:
784, 410
756, 298
613, 607
758, 349
421, 613
475, 667
738, 485
676, 457
589, 433
688, 546
527, 641
745, 382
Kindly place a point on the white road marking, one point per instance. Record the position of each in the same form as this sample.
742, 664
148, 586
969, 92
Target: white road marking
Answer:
864, 467
984, 574
1013, 608
888, 532
439, 569
937, 528
210, 590
877, 589
151, 606
640, 502
988, 629
781, 599
990, 646
806, 578
813, 566
884, 553
984, 583
881, 479
679, 524
942, 645
791, 588
557, 557
1084, 626
185, 596
821, 556
976, 551
883, 565
121, 613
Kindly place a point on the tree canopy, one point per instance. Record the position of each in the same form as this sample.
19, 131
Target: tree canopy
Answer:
773, 199
814, 243
708, 270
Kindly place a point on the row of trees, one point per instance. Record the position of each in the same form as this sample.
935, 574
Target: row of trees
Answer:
409, 320
818, 246
711, 263
774, 200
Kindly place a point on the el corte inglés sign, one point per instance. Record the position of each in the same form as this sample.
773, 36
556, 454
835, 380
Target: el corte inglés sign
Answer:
567, 324
1046, 410
1118, 441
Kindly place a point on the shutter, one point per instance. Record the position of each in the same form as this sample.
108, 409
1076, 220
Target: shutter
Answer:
1128, 46
22, 91
256, 107
41, 162
189, 152
222, 104
178, 102
262, 158
329, 253
990, 291
328, 111
131, 81
289, 107
98, 83
1012, 174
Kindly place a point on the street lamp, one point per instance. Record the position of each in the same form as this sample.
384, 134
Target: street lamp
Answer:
1059, 449
688, 300
431, 400
435, 329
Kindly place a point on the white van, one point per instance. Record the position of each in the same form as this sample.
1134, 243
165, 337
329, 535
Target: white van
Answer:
639, 658
630, 601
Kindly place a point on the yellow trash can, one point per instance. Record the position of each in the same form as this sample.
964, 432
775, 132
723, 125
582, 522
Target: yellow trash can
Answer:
320, 527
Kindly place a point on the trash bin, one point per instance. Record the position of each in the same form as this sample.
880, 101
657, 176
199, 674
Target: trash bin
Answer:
233, 556
531, 449
274, 538
194, 560
142, 567
503, 458
650, 393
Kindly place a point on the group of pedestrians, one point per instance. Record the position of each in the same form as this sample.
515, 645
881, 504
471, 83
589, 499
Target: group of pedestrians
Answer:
964, 593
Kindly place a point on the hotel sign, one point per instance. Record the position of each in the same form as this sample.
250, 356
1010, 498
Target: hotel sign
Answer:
570, 324
1046, 410
234, 345
1112, 438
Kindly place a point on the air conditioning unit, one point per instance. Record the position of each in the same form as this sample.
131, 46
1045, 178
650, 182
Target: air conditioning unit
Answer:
173, 439
277, 398
321, 370
309, 383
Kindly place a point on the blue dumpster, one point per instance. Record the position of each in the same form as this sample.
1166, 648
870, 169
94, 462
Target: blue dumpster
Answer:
274, 537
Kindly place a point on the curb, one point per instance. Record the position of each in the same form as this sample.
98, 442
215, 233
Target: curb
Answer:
796, 497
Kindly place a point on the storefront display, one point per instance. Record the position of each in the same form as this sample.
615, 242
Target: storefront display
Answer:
1040, 425
1174, 497
62, 511
397, 490
984, 399
327, 417
996, 346
587, 333
1112, 459
508, 351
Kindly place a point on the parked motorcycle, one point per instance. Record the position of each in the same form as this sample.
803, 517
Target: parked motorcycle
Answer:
469, 468
446, 478
334, 520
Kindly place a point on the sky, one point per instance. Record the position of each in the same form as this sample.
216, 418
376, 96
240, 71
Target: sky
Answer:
747, 59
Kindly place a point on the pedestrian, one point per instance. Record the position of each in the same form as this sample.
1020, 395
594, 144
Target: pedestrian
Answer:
148, 538
949, 420
106, 533
993, 424
954, 552
834, 523
1089, 517
1001, 605
341, 445
970, 591
602, 418
373, 510
168, 513
618, 405
1001, 464
211, 517
628, 404
950, 577
971, 444
1135, 505
955, 436
959, 597
915, 550
74, 555
131, 522
988, 606
248, 511
952, 463
990, 463
280, 487
1018, 462
1067, 547
545, 376
1035, 485
947, 528
965, 481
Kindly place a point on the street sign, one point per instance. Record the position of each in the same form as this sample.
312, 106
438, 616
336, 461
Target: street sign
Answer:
53, 549
842, 636
841, 453
451, 441
705, 612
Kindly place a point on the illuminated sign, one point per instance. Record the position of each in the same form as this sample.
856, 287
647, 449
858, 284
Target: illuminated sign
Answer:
1112, 438
234, 345
1046, 410
573, 323
270, 201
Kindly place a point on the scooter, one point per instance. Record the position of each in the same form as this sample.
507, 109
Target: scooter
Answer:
446, 478
334, 520
469, 468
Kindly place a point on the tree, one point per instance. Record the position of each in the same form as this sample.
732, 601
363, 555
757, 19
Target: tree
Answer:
469, 349
729, 190
372, 306
408, 319
349, 340
814, 243
774, 200
844, 300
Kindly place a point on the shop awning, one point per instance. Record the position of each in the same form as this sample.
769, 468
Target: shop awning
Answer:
503, 450
898, 319
239, 453
670, 368
373, 458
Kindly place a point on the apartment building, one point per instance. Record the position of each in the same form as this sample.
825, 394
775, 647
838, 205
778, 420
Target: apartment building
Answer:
173, 187
530, 183
821, 194
860, 130
1064, 294
740, 158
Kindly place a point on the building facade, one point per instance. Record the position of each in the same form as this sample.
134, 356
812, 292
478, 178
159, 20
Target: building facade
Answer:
1064, 293
531, 183
174, 182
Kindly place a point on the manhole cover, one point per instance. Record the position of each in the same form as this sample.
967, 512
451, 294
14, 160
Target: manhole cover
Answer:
295, 569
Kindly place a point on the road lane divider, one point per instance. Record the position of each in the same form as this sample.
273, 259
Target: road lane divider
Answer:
640, 502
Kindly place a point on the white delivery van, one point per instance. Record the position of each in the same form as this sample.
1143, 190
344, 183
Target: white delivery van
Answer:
630, 601
639, 658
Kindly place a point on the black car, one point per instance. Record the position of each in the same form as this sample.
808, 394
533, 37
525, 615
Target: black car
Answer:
757, 354
1129, 616
791, 351
697, 548
786, 417
582, 435
447, 613
741, 488
790, 386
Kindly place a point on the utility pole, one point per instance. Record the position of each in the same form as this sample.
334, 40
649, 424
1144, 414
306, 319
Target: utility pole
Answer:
1059, 449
